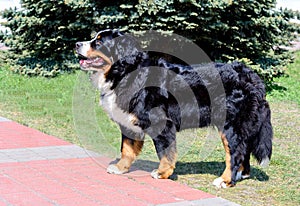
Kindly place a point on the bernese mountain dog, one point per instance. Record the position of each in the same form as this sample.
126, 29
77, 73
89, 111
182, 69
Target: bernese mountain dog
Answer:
149, 94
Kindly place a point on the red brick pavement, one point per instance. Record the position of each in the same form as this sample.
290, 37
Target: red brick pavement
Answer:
79, 181
13, 135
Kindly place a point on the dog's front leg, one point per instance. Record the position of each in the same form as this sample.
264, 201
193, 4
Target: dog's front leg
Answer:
165, 145
130, 149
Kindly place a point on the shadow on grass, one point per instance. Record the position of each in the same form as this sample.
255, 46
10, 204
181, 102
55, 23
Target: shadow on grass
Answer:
214, 168
185, 168
275, 86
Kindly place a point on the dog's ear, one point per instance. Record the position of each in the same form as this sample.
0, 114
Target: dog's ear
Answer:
117, 33
124, 46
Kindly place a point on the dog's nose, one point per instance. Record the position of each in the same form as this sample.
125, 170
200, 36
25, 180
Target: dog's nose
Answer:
78, 44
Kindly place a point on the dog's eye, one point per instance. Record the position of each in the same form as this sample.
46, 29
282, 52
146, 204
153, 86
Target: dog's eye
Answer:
98, 40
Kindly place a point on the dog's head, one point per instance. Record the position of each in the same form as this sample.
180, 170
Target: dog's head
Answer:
106, 48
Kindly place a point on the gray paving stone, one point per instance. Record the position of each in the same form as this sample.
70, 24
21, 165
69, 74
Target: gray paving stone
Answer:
77, 152
44, 153
203, 202
18, 155
4, 158
2, 119
215, 201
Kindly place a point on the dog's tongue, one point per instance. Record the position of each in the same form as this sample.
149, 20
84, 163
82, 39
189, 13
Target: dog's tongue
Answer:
81, 61
95, 62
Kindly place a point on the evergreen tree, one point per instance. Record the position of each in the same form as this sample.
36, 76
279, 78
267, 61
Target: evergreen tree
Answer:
43, 34
227, 30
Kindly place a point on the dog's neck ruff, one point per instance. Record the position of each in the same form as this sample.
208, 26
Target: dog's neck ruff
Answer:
104, 86
109, 104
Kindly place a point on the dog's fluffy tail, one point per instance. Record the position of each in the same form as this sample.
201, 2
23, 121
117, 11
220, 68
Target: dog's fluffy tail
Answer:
263, 146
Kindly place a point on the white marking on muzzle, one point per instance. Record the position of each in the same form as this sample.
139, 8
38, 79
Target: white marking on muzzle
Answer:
84, 48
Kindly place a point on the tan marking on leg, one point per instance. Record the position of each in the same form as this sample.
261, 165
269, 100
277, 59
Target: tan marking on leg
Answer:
241, 168
130, 150
244, 175
226, 176
167, 166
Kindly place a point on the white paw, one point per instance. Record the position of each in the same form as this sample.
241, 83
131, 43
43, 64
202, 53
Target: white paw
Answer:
219, 183
155, 174
245, 176
239, 176
265, 162
113, 169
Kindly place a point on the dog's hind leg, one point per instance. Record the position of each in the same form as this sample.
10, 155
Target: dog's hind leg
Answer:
245, 168
234, 158
165, 145
225, 179
130, 149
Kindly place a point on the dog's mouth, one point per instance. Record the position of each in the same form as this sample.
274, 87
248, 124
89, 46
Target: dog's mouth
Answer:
91, 59
88, 63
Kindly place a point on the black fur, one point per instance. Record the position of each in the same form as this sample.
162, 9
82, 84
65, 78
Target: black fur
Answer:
247, 126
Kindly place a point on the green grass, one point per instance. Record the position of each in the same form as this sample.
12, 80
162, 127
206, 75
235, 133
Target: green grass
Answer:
45, 104
67, 107
288, 87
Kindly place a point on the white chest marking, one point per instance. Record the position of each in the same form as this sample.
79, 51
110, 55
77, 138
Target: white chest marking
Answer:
108, 102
